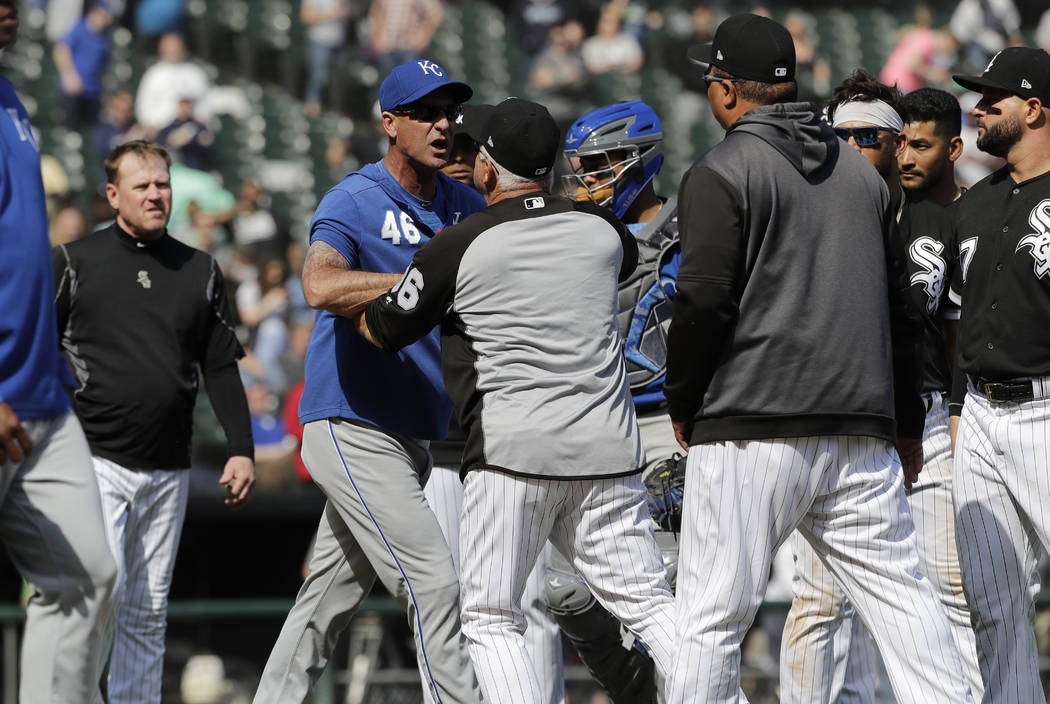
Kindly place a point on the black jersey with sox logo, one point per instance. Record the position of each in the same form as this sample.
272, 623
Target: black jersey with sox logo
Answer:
526, 294
928, 236
139, 322
1003, 278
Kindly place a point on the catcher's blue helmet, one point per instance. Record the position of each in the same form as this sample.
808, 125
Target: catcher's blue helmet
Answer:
631, 127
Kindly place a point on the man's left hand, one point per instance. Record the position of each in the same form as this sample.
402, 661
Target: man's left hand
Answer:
238, 477
910, 451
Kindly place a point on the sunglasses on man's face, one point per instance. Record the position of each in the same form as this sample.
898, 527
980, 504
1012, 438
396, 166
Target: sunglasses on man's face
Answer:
428, 112
863, 136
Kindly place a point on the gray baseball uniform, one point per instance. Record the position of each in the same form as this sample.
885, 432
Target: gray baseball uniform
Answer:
51, 525
368, 416
50, 517
361, 538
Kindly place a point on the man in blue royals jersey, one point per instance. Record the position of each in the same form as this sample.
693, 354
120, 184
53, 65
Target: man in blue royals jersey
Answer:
50, 513
368, 414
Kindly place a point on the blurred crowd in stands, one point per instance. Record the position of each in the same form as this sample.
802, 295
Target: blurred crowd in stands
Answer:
563, 50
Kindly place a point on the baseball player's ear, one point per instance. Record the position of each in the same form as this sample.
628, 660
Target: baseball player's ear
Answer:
955, 148
389, 126
112, 196
489, 177
1033, 114
726, 92
899, 142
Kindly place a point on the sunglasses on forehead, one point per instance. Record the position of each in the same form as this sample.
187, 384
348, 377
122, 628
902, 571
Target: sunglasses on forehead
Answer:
710, 78
863, 136
427, 112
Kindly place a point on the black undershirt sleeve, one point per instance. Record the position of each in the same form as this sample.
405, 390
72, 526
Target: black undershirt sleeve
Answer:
630, 253
906, 325
231, 407
958, 397
955, 294
706, 303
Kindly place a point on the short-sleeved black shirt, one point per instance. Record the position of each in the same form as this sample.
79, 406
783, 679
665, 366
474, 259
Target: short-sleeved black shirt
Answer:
928, 235
1003, 278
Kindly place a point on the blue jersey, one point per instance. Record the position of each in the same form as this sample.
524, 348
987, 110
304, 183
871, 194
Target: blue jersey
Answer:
32, 370
378, 226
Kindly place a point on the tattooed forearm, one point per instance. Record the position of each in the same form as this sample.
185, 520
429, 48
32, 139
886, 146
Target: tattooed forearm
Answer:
329, 283
322, 255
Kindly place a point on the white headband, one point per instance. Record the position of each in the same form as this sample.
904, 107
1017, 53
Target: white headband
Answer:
874, 112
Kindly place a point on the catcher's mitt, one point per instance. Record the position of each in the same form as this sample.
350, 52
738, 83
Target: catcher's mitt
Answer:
666, 484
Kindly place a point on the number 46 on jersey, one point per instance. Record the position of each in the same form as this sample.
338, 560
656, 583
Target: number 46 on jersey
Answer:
394, 233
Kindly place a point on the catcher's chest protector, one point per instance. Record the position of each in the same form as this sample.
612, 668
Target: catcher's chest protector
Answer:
645, 309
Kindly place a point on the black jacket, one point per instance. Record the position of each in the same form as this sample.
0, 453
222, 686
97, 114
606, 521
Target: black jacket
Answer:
791, 289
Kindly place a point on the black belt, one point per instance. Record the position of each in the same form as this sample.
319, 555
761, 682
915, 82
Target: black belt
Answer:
1009, 391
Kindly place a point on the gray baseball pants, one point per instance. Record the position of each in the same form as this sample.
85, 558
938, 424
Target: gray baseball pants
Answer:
51, 524
376, 524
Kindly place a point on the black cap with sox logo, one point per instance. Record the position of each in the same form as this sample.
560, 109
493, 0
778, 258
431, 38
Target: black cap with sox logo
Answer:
1020, 70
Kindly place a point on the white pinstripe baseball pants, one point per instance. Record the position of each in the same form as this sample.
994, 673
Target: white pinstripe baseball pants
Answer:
1002, 504
601, 525
444, 492
830, 657
826, 654
845, 495
143, 513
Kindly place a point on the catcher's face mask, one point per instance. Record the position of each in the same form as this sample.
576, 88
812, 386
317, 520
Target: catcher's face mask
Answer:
594, 176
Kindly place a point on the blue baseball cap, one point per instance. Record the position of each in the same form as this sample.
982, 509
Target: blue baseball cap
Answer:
409, 82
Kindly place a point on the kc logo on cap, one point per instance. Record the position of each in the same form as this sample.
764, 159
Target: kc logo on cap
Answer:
409, 82
430, 67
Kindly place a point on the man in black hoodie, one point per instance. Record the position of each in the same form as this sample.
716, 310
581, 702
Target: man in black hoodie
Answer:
779, 369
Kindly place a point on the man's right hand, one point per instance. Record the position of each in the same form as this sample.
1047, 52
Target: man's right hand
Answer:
910, 451
15, 445
683, 429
